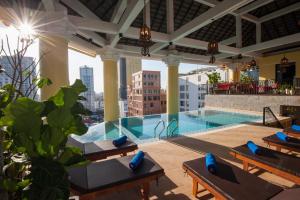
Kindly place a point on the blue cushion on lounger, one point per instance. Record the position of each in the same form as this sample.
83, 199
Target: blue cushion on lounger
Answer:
296, 128
210, 163
136, 160
253, 147
120, 141
281, 136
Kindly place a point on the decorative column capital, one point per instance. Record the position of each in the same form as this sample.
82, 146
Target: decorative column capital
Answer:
172, 59
108, 53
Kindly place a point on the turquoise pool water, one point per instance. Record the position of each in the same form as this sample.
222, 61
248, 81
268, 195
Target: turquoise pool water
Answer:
141, 129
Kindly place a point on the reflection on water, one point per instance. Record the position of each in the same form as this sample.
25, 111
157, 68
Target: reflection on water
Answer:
178, 124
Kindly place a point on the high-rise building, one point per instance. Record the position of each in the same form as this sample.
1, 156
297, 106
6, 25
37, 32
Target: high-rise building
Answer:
144, 93
27, 65
87, 77
127, 67
194, 86
133, 65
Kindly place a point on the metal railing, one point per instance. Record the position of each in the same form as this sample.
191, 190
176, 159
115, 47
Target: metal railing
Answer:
168, 127
255, 88
273, 120
164, 126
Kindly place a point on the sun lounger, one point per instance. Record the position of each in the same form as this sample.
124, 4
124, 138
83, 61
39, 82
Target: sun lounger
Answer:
291, 132
88, 182
281, 164
230, 182
293, 144
102, 149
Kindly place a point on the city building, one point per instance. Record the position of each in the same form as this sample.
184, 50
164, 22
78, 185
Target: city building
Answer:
194, 86
127, 67
163, 101
87, 77
144, 93
28, 66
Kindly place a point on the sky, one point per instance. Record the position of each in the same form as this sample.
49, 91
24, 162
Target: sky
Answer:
77, 59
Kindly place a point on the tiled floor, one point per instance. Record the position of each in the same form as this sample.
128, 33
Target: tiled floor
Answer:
171, 154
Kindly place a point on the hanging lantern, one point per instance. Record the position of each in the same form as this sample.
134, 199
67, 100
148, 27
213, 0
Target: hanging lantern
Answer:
284, 60
145, 36
212, 49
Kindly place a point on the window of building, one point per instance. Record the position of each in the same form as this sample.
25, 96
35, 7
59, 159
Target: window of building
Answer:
182, 95
181, 103
199, 78
187, 88
151, 105
145, 98
181, 88
150, 98
187, 96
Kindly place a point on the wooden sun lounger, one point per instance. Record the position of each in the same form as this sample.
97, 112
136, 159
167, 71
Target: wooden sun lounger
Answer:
88, 182
102, 149
278, 163
230, 182
293, 144
291, 132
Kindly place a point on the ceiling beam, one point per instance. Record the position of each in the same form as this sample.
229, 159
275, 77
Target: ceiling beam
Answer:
131, 12
202, 20
93, 36
278, 13
118, 11
258, 33
81, 9
82, 46
229, 41
252, 6
198, 44
49, 5
271, 43
238, 31
213, 3
206, 18
93, 25
110, 28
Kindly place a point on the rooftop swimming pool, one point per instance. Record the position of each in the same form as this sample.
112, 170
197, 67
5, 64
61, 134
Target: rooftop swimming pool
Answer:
152, 127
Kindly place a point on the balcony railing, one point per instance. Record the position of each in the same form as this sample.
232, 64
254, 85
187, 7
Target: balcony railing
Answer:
264, 87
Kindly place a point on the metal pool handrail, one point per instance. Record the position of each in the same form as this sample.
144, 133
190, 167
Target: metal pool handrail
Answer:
164, 126
173, 120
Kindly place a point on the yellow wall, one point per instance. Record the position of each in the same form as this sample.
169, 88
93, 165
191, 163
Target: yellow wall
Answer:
234, 75
54, 64
267, 64
110, 84
172, 92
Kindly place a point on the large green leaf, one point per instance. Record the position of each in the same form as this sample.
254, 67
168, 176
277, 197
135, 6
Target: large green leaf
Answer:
78, 86
25, 114
60, 118
71, 157
76, 127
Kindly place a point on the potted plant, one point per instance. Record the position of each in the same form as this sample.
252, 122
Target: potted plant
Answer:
38, 132
213, 79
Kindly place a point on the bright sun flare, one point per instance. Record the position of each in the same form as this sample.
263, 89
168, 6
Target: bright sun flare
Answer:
26, 30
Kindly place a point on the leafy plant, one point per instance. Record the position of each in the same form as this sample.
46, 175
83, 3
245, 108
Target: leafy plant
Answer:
214, 77
245, 78
12, 163
39, 131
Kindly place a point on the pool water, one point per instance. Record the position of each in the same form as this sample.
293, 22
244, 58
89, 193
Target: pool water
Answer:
146, 128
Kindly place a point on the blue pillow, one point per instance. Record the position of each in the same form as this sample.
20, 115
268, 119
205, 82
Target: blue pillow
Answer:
210, 163
137, 160
296, 128
120, 141
253, 147
281, 136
